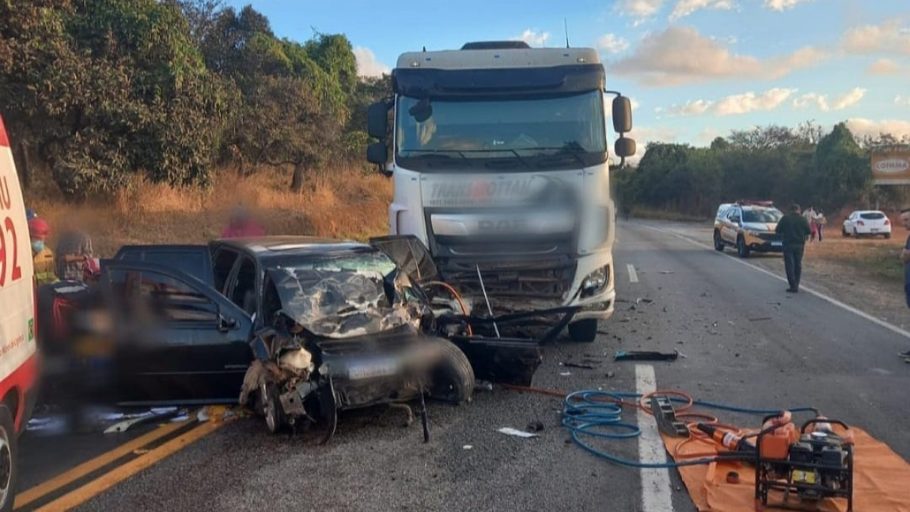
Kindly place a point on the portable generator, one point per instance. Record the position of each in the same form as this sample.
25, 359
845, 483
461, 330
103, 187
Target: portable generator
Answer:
810, 464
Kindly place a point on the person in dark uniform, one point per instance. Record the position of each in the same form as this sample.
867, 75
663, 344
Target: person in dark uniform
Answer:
793, 229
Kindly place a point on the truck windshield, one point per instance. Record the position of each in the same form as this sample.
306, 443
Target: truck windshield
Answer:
562, 132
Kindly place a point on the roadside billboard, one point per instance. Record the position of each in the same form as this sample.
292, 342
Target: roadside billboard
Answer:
891, 168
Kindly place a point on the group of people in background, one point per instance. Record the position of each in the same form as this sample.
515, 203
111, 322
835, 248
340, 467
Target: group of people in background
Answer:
816, 220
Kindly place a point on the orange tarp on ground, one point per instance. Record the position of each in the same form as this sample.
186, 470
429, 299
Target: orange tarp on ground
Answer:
881, 480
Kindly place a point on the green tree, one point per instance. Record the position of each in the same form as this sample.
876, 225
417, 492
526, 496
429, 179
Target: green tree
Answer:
842, 172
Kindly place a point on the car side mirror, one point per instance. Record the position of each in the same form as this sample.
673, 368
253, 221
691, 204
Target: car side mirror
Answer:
378, 120
622, 114
225, 323
377, 153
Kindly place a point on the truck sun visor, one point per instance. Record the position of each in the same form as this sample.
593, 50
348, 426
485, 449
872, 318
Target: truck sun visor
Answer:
475, 82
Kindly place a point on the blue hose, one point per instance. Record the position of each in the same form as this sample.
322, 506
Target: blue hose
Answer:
585, 413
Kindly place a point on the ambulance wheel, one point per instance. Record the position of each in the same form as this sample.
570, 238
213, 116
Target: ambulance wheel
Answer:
9, 470
583, 331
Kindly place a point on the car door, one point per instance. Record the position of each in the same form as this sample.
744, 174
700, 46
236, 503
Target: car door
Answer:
731, 227
848, 224
177, 340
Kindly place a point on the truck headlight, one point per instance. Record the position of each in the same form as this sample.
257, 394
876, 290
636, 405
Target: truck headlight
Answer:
595, 282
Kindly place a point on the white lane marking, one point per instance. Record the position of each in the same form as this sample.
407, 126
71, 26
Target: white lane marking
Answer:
655, 483
820, 295
633, 275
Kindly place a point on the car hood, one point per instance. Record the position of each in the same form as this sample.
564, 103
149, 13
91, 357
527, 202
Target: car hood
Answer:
760, 226
338, 304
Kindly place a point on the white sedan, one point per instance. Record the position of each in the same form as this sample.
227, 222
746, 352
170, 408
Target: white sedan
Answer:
867, 222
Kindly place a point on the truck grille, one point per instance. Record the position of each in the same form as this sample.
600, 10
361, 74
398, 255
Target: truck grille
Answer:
548, 279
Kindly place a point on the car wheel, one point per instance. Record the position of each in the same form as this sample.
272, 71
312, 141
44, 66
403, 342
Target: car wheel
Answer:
452, 380
741, 250
271, 408
583, 331
718, 242
844, 232
887, 236
9, 470
855, 233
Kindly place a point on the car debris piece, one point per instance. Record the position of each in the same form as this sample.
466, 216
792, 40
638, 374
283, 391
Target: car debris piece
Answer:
535, 426
645, 355
578, 365
509, 431
146, 417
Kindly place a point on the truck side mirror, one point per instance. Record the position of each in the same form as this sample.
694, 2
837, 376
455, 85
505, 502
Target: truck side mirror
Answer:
622, 114
624, 147
378, 120
377, 153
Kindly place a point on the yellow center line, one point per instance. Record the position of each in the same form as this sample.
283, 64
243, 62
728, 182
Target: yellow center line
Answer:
45, 488
106, 481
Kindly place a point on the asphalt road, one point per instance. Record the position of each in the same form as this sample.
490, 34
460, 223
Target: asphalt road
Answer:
745, 341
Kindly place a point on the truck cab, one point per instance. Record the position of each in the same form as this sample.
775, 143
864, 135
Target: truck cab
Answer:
498, 153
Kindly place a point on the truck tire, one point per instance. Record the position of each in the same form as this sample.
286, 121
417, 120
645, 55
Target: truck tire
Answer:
271, 408
718, 242
9, 467
741, 249
452, 380
583, 331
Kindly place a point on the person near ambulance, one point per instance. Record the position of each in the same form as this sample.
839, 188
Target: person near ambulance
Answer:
793, 229
43, 257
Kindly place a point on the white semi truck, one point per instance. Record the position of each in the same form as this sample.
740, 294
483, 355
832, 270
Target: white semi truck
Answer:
499, 158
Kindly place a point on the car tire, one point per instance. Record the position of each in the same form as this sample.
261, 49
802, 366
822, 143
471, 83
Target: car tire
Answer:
844, 232
741, 250
887, 236
452, 380
9, 467
271, 408
583, 331
855, 233
718, 242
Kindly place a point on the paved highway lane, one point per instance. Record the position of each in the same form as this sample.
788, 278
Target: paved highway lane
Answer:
745, 340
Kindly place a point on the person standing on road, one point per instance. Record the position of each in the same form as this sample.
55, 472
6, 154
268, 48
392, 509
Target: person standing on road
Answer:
905, 260
793, 229
38, 231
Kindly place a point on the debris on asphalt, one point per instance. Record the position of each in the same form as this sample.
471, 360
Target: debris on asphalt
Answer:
158, 414
645, 355
579, 365
483, 385
467, 447
565, 374
759, 319
535, 426
610, 374
509, 431
666, 272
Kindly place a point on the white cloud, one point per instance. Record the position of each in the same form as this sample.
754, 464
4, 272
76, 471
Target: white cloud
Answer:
862, 127
782, 5
821, 101
686, 7
734, 104
533, 37
750, 101
639, 9
367, 64
902, 101
884, 67
680, 55
611, 43
849, 99
889, 37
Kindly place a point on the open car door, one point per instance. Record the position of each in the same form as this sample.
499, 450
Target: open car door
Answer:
497, 359
175, 339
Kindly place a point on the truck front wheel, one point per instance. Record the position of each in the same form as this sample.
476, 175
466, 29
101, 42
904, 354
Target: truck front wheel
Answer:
583, 331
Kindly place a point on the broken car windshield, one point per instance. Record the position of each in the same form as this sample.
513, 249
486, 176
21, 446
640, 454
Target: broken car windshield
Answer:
339, 297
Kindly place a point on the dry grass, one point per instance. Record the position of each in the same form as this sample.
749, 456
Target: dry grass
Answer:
341, 203
874, 258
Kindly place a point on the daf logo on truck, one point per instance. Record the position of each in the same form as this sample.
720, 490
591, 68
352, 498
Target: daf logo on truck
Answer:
498, 138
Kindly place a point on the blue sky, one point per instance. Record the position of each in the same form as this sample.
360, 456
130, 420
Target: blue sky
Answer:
695, 68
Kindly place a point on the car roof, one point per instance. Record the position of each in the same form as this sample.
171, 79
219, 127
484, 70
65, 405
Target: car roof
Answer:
869, 211
281, 246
